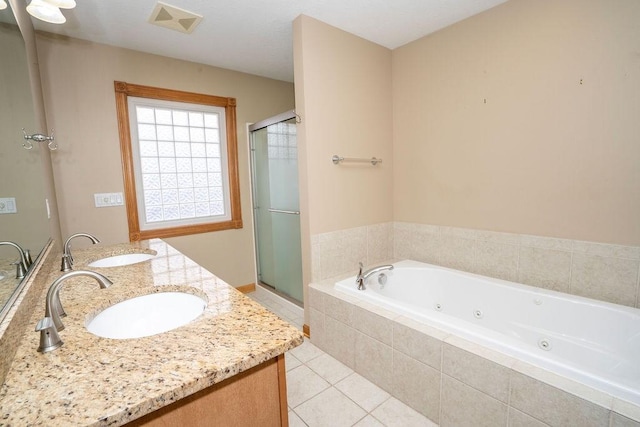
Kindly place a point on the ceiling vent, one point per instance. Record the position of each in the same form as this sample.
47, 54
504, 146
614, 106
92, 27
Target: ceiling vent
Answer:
174, 18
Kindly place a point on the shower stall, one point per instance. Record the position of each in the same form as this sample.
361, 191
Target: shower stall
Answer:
276, 214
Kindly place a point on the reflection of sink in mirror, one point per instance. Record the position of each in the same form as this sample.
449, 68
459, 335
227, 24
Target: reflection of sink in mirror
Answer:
120, 260
147, 315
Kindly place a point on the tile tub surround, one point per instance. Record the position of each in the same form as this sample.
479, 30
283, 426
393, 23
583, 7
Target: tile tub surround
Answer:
450, 380
594, 270
98, 381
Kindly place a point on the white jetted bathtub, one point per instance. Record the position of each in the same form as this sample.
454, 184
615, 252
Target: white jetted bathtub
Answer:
593, 342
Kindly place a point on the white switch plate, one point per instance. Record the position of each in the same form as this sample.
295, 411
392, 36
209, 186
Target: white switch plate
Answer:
104, 200
8, 205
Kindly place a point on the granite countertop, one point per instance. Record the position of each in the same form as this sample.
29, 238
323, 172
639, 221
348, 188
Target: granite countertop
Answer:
93, 381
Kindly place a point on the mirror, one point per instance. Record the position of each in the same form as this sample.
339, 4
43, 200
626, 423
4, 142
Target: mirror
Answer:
21, 172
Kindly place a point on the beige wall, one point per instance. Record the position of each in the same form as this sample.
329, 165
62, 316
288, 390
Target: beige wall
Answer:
343, 94
553, 151
78, 81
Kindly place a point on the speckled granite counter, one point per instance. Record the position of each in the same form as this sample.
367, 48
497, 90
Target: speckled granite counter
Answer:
98, 381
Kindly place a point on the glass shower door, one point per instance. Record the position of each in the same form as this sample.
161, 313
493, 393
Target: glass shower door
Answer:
276, 207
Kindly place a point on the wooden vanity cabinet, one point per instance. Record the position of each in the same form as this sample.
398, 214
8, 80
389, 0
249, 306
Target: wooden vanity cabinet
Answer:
257, 397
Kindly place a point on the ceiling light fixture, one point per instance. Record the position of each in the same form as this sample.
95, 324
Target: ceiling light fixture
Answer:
62, 4
49, 10
3, 4
45, 12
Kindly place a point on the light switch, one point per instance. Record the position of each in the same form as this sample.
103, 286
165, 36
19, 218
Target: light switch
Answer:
8, 205
104, 200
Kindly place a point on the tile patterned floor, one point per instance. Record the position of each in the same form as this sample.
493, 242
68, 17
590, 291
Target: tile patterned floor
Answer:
324, 392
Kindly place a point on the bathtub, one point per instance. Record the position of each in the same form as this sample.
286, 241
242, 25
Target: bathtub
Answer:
592, 342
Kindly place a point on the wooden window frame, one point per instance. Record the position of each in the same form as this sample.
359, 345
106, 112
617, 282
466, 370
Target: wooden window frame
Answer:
123, 91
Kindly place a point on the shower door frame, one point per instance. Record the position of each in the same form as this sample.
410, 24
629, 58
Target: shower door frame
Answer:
282, 117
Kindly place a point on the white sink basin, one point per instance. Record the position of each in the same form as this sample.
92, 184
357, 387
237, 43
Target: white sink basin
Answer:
120, 260
147, 315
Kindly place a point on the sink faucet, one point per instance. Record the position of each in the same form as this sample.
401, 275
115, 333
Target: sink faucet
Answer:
52, 324
362, 277
67, 258
25, 259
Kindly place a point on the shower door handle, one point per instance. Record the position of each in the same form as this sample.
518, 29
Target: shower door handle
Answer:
284, 212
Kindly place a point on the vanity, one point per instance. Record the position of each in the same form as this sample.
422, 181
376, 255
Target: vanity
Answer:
226, 367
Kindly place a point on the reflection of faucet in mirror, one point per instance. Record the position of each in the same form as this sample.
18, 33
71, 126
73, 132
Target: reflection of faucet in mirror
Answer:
67, 258
23, 263
51, 324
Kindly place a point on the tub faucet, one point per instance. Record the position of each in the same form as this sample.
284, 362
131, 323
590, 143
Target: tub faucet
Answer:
363, 276
67, 258
25, 259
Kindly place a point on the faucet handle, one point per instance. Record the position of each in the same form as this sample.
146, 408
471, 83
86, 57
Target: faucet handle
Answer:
66, 263
49, 338
20, 269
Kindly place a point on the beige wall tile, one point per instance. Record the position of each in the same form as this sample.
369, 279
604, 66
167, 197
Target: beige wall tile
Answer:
316, 328
520, 419
416, 344
607, 279
541, 242
373, 325
316, 299
373, 360
417, 385
545, 268
456, 252
465, 406
618, 420
496, 260
338, 309
553, 406
339, 341
477, 372
604, 250
379, 243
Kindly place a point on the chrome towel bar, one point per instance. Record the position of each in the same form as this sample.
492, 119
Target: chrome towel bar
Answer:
338, 159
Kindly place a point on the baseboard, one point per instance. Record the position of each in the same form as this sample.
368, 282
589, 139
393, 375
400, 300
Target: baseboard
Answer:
306, 331
245, 289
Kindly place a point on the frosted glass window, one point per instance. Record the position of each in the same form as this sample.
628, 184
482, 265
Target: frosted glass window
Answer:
180, 161
180, 166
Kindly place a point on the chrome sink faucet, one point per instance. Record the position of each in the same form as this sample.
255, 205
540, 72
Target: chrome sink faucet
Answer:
363, 276
67, 258
25, 259
51, 324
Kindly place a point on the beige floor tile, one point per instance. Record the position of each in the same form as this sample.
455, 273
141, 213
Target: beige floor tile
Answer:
369, 421
362, 391
290, 361
295, 420
331, 409
394, 413
303, 384
329, 368
306, 351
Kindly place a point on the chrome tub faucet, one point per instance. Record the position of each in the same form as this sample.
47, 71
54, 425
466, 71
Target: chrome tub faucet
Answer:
363, 276
67, 258
51, 324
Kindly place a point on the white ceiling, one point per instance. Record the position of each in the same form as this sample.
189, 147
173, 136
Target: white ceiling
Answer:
255, 36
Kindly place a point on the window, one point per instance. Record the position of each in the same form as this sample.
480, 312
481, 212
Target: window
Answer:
180, 161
